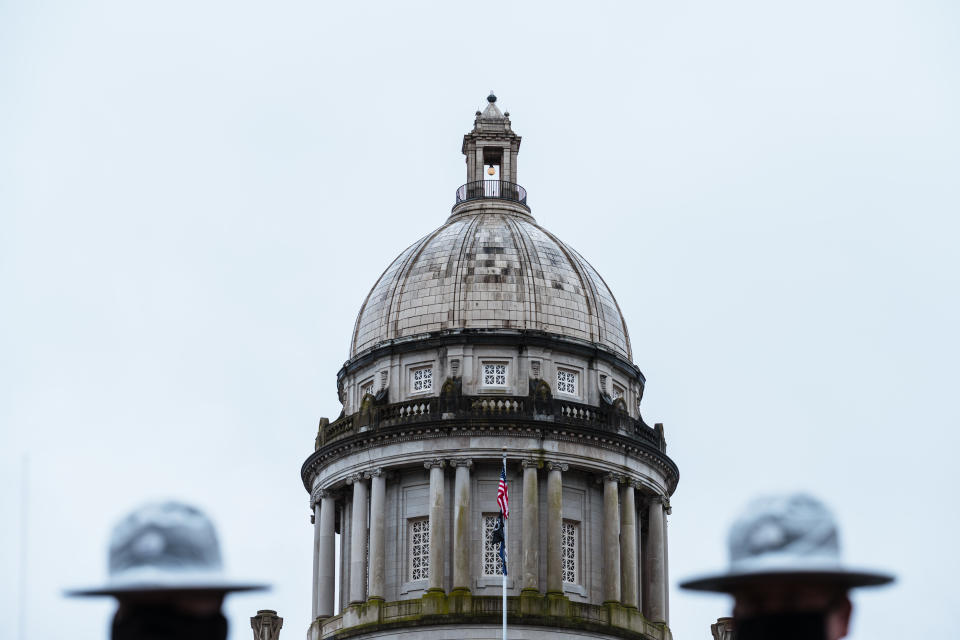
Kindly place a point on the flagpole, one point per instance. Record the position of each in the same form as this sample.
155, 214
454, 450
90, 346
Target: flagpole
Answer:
505, 555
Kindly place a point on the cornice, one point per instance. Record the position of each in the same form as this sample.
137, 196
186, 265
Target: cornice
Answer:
441, 430
497, 337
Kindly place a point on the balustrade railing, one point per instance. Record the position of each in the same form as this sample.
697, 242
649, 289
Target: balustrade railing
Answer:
496, 408
498, 189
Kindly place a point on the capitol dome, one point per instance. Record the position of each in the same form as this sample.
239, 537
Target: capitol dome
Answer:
490, 269
490, 353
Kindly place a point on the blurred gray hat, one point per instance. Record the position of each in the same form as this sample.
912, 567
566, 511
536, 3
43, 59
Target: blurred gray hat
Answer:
165, 547
787, 536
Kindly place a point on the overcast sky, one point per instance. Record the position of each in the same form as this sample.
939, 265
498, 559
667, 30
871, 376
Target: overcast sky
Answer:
196, 197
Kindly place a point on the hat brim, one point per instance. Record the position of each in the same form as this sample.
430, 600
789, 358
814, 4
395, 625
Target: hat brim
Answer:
145, 588
730, 582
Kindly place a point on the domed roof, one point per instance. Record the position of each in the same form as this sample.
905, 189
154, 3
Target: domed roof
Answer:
490, 268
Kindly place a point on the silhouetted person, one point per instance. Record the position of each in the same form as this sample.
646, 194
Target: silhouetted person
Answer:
166, 573
785, 573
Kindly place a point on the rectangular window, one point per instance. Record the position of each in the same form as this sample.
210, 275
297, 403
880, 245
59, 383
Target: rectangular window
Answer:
495, 375
419, 550
421, 379
366, 388
567, 381
617, 392
568, 551
492, 564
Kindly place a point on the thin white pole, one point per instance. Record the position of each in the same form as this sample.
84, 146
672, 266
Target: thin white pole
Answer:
505, 555
24, 515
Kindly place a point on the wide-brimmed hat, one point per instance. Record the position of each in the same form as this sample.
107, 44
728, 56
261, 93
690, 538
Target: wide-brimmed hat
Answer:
791, 537
165, 547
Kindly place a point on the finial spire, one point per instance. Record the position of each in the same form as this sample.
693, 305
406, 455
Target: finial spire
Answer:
491, 98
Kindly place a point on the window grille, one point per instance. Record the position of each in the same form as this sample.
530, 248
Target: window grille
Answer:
535, 369
494, 375
492, 564
423, 379
419, 549
567, 381
366, 388
617, 392
568, 551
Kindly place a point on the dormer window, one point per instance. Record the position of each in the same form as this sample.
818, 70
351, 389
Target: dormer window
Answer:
421, 379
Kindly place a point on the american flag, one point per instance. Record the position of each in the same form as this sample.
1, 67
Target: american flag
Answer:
502, 500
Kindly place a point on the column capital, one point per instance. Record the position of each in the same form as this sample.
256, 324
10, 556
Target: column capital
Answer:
529, 464
319, 494
612, 477
461, 462
354, 477
662, 500
636, 484
374, 473
436, 462
557, 466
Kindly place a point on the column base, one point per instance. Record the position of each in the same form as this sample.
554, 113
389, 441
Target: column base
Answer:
557, 604
460, 601
531, 602
433, 602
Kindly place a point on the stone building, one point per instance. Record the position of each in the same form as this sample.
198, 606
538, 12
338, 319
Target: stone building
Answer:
487, 335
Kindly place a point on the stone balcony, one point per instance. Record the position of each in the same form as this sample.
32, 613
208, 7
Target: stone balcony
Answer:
539, 407
537, 412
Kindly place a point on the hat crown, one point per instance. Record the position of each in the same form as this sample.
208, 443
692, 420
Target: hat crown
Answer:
165, 537
793, 530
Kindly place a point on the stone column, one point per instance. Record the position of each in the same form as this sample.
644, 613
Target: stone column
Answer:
376, 566
326, 556
667, 510
315, 519
554, 528
358, 540
343, 589
531, 527
478, 175
437, 501
656, 567
611, 538
461, 524
628, 546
